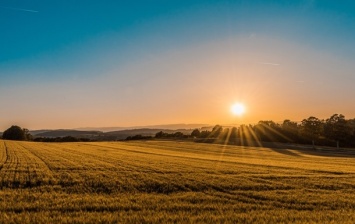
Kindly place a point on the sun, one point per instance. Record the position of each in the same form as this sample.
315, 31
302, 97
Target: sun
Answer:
238, 109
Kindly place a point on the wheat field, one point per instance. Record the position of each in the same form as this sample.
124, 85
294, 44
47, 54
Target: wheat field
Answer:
173, 182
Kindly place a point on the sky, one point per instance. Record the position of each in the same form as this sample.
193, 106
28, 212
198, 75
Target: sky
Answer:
72, 64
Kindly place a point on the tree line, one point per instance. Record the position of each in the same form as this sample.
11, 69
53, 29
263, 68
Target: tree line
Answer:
333, 131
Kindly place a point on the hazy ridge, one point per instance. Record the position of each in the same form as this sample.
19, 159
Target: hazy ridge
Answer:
164, 126
99, 135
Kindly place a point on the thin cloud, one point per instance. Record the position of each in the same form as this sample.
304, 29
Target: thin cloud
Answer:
267, 63
19, 9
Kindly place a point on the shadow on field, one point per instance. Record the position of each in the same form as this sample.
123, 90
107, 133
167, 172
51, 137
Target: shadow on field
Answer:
291, 149
285, 151
309, 150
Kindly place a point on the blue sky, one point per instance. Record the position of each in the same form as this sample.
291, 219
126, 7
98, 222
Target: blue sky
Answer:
73, 53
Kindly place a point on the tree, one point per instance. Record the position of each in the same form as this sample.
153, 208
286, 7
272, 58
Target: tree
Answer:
233, 135
205, 134
290, 130
27, 134
16, 133
195, 133
216, 131
335, 128
312, 128
225, 134
351, 138
268, 131
160, 134
178, 134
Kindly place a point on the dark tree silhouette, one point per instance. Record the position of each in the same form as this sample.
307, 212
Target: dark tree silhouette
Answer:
312, 128
27, 134
290, 130
351, 126
178, 134
268, 131
205, 134
225, 134
160, 134
16, 133
195, 133
233, 135
216, 131
335, 128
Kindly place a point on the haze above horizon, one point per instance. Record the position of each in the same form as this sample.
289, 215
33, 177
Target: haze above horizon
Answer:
134, 63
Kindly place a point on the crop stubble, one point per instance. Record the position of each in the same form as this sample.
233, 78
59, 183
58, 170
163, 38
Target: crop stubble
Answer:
167, 181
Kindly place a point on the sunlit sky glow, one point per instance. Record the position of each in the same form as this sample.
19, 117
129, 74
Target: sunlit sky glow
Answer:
130, 63
238, 109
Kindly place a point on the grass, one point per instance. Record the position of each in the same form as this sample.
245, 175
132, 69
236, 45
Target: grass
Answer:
173, 182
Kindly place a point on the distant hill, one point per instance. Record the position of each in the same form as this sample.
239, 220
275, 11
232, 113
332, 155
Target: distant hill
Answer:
143, 131
165, 127
63, 133
36, 132
104, 136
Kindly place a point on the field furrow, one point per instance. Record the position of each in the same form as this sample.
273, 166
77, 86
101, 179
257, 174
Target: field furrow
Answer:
165, 181
3, 154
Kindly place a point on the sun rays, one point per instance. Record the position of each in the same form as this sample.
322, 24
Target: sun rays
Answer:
247, 135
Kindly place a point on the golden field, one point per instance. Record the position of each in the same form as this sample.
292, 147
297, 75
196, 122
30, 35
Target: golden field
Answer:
173, 182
